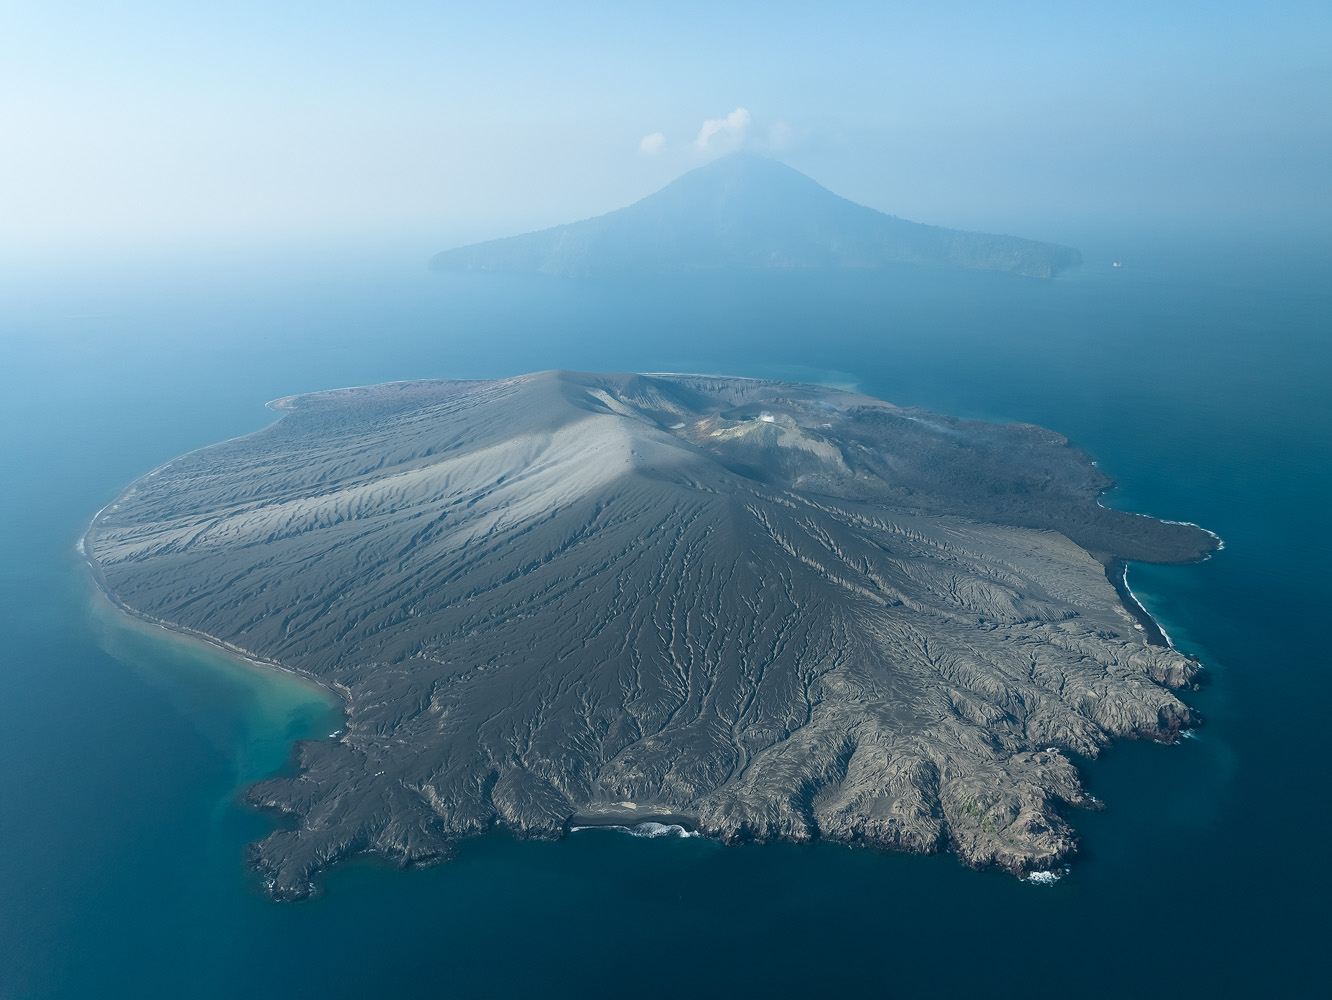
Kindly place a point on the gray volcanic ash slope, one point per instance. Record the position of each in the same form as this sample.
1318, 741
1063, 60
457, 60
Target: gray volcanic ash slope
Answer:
765, 610
747, 211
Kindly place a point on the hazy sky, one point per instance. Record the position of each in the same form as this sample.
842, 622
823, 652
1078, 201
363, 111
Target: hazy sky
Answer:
137, 123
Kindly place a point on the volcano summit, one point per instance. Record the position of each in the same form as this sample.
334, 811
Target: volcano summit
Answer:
755, 609
748, 212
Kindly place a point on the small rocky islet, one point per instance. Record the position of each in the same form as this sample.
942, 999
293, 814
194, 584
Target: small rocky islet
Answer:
756, 609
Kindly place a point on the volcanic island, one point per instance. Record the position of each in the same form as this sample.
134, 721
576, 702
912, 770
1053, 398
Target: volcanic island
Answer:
755, 610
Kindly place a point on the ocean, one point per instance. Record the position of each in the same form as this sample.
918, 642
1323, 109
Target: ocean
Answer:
1197, 375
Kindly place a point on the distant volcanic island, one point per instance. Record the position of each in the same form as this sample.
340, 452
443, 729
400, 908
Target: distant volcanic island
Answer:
758, 610
745, 211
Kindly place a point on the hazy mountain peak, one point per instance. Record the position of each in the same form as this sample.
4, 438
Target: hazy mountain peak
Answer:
749, 211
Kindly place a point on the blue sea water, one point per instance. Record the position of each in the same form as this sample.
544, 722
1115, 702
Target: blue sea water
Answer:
1197, 375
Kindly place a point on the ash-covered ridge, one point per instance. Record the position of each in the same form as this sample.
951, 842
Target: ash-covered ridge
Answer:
757, 609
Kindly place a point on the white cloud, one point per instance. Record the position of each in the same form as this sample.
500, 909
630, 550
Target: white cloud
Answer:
651, 145
729, 130
779, 135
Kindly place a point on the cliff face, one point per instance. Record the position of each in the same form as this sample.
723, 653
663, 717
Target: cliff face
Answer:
746, 211
758, 609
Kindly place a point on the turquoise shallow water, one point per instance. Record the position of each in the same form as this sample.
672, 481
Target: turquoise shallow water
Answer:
1200, 384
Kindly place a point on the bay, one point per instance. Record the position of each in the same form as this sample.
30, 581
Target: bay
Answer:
1196, 375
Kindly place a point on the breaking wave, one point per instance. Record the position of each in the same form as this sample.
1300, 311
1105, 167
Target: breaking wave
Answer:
1046, 878
648, 829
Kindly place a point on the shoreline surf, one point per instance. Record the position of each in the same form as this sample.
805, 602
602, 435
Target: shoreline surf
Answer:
233, 655
1116, 572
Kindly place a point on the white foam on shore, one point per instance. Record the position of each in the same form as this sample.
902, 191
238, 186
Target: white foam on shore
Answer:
79, 546
649, 829
1155, 621
1220, 542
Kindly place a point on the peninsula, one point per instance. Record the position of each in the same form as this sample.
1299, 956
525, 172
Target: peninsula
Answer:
745, 211
758, 610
